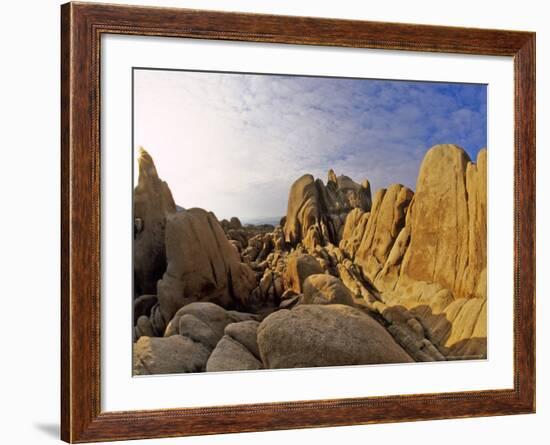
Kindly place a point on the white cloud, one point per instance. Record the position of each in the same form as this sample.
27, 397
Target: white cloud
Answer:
234, 143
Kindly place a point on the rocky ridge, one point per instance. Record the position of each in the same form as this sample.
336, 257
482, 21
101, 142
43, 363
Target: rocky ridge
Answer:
344, 279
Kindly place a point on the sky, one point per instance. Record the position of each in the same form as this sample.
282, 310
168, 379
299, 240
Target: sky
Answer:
234, 143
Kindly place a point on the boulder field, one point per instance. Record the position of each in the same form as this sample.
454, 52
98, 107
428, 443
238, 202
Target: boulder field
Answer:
343, 279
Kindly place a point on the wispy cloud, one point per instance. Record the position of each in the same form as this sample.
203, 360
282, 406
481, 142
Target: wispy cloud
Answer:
234, 143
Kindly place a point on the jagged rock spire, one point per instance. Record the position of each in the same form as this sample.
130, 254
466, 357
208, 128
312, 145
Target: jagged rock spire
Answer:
153, 201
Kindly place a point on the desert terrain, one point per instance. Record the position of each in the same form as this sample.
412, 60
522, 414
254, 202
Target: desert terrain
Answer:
347, 277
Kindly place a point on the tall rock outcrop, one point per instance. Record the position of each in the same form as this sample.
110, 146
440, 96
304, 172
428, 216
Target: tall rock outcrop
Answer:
448, 222
354, 228
436, 235
448, 247
427, 251
387, 218
304, 210
153, 202
317, 212
202, 265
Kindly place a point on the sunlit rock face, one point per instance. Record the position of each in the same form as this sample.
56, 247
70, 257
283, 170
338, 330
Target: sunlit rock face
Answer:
427, 251
387, 218
437, 234
448, 222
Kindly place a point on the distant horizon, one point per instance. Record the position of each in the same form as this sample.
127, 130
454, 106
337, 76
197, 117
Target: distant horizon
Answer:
233, 144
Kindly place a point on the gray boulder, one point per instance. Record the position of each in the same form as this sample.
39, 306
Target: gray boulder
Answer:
203, 322
325, 335
245, 333
168, 355
230, 355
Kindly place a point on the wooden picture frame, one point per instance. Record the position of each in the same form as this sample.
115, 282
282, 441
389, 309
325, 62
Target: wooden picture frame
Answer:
82, 25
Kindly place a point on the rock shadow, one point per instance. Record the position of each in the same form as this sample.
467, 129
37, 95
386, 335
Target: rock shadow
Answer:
420, 323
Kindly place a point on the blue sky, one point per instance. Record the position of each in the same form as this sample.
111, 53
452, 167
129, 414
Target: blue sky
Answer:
234, 143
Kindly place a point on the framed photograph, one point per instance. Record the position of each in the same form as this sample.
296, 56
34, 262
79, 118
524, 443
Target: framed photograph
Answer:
274, 222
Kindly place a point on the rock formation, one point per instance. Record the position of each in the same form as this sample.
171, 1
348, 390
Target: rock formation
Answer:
238, 349
202, 265
316, 213
143, 305
153, 203
193, 333
435, 253
354, 228
326, 289
325, 335
172, 355
386, 219
342, 280
231, 355
298, 268
448, 222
